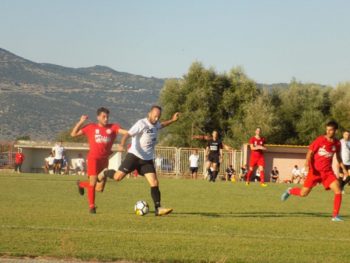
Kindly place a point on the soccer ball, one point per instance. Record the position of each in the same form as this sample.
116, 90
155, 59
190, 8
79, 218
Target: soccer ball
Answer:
141, 208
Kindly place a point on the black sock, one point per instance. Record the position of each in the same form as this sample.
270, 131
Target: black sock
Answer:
210, 174
110, 173
215, 174
155, 193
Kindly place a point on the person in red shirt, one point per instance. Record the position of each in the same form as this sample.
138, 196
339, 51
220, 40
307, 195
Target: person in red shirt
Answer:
101, 136
257, 148
19, 159
319, 160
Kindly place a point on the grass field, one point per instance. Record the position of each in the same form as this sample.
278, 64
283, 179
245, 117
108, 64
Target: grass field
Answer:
43, 215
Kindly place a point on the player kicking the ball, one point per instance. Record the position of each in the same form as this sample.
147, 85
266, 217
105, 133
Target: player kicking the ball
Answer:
257, 148
141, 153
319, 162
101, 136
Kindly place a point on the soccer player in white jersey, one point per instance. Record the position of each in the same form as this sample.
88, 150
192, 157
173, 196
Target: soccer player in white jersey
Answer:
141, 153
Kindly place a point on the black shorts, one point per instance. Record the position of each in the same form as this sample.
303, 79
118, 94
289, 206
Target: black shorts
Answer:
214, 158
347, 167
58, 161
132, 162
194, 169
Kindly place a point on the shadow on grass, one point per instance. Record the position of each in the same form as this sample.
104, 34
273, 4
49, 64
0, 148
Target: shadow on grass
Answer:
257, 214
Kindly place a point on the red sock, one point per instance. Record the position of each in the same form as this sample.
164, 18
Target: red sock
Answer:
84, 184
337, 203
262, 174
249, 174
295, 191
91, 195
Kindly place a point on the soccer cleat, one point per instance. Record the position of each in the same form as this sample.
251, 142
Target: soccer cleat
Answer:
92, 210
247, 183
160, 211
285, 195
263, 185
80, 189
337, 219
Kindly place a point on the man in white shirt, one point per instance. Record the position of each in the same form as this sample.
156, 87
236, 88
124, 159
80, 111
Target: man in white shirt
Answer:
58, 152
296, 174
141, 153
80, 164
49, 163
194, 159
345, 155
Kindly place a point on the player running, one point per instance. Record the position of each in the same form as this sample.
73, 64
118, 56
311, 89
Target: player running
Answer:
141, 153
101, 136
257, 148
319, 160
213, 153
345, 156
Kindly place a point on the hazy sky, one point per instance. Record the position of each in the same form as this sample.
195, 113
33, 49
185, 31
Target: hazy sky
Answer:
272, 40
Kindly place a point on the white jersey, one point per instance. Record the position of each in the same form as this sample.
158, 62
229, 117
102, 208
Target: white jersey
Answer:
58, 150
345, 151
50, 160
80, 162
194, 160
144, 138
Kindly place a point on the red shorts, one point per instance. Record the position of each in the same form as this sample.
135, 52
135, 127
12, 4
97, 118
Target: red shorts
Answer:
257, 161
315, 177
95, 166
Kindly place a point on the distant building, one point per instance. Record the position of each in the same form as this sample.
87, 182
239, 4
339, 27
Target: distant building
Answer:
37, 151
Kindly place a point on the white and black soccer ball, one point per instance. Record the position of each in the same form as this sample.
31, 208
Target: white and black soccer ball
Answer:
141, 208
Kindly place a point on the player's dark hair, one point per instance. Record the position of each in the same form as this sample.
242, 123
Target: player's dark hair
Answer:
156, 107
348, 131
102, 109
332, 124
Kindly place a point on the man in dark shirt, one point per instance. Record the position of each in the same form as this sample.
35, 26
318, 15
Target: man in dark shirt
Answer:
213, 153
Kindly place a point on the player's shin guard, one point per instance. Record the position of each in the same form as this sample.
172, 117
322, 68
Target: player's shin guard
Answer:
262, 177
337, 204
91, 196
155, 193
295, 191
249, 174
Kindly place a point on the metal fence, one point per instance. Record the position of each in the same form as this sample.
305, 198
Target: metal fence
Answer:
171, 161
7, 155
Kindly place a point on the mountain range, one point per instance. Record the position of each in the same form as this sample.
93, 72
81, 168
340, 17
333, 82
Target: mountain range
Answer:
41, 100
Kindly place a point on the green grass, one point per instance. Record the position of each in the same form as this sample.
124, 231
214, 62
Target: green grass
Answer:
43, 215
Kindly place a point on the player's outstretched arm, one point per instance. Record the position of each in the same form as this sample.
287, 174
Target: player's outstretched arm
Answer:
172, 120
77, 128
121, 146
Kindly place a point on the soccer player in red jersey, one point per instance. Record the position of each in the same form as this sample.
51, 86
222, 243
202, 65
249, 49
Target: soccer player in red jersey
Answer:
257, 148
101, 136
319, 160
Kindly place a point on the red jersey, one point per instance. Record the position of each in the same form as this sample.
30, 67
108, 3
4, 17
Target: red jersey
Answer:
257, 142
100, 139
324, 151
19, 158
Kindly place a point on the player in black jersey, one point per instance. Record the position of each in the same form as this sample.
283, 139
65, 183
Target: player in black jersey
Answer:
213, 153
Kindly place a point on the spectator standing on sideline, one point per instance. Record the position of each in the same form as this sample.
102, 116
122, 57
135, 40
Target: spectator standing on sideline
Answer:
19, 159
58, 152
194, 158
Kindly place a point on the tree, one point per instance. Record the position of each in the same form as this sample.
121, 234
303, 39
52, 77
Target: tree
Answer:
340, 98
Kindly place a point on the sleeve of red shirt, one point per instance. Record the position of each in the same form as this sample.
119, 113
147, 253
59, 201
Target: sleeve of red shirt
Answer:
86, 129
315, 145
116, 127
251, 140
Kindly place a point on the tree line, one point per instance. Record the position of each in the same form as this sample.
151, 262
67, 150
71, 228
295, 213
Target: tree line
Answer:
235, 105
